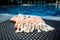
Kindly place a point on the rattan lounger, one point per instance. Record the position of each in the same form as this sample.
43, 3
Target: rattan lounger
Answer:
7, 32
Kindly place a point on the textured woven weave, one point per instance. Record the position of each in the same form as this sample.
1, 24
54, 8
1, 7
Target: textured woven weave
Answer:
7, 32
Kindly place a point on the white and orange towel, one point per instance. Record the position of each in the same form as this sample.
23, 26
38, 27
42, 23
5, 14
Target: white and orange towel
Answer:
29, 23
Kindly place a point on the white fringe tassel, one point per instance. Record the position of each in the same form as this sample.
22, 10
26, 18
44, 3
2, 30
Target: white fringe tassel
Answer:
30, 27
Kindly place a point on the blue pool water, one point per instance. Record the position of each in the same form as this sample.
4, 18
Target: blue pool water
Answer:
50, 12
40, 10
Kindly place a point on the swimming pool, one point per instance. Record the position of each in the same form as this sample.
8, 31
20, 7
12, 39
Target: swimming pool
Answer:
47, 11
32, 9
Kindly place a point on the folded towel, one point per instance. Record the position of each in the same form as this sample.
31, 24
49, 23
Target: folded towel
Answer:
30, 23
